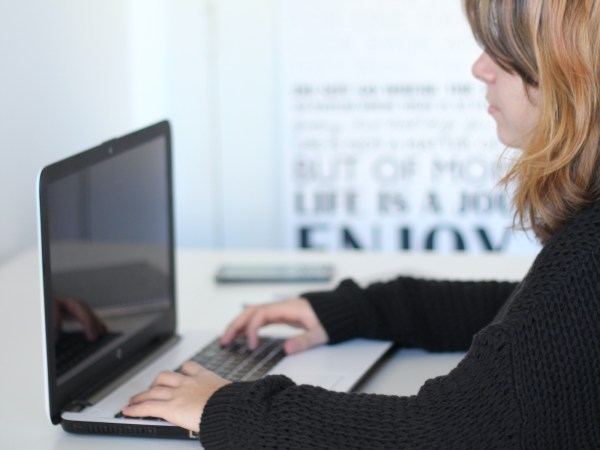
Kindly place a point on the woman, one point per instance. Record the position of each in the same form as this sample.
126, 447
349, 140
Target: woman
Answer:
530, 377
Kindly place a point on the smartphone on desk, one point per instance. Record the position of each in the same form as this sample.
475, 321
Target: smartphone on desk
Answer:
275, 273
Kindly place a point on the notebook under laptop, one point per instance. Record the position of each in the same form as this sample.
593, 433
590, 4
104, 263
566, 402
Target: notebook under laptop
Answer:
107, 262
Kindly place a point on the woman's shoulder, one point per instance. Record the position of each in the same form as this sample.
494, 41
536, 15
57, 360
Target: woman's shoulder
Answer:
577, 240
565, 272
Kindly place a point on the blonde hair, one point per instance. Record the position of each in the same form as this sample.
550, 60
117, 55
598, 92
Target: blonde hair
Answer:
554, 46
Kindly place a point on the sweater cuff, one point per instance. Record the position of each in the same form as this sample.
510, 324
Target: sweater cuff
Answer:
215, 425
237, 411
337, 311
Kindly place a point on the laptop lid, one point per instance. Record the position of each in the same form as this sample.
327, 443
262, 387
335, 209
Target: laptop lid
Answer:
107, 261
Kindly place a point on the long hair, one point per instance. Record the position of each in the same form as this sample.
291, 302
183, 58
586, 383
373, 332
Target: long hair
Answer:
554, 46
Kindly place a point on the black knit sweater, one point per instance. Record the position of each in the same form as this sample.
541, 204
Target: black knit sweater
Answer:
530, 379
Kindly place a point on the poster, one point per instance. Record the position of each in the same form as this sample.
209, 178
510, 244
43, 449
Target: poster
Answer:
386, 141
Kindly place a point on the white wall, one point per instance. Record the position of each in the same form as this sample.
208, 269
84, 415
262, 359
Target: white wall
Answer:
215, 61
77, 73
250, 159
64, 85
172, 60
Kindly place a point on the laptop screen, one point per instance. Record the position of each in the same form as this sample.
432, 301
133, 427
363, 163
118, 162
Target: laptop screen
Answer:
107, 247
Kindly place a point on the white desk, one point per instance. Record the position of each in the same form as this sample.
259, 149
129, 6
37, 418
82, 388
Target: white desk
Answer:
23, 422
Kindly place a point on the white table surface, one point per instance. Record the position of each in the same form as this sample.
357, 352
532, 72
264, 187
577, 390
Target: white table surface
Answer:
203, 303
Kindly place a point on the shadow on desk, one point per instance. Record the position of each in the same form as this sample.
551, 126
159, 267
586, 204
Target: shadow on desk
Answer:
406, 370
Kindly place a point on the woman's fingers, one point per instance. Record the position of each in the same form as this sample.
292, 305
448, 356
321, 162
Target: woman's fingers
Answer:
147, 408
165, 382
177, 397
237, 327
160, 393
311, 338
192, 368
296, 312
256, 321
168, 379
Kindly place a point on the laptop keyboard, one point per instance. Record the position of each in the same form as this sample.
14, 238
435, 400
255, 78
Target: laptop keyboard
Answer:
236, 362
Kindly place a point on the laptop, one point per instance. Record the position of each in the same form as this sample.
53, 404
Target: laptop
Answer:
108, 269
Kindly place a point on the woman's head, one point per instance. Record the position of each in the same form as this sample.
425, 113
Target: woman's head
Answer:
553, 47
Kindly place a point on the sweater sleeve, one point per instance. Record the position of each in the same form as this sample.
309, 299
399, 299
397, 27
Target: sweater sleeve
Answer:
430, 314
472, 407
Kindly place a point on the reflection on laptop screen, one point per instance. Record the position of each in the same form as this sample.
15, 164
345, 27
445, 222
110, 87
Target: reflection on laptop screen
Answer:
109, 234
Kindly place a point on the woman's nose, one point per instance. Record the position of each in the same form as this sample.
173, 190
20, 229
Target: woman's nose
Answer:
483, 68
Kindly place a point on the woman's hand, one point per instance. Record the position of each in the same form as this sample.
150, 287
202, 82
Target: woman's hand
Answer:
296, 312
178, 398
